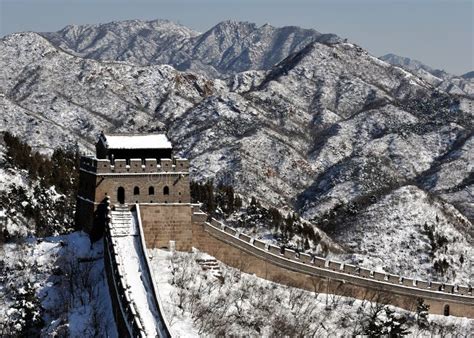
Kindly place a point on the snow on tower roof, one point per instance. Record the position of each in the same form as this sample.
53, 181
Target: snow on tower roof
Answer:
150, 141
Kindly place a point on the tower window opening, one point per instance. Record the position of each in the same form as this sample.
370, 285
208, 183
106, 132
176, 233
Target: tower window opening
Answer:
136, 191
151, 191
166, 190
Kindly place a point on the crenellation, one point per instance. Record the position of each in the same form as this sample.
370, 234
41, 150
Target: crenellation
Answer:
361, 282
305, 258
182, 164
349, 268
134, 165
259, 244
120, 166
151, 165
319, 262
379, 276
244, 238
166, 164
102, 166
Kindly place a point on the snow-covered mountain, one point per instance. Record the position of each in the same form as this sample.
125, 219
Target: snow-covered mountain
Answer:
463, 85
226, 48
468, 75
302, 121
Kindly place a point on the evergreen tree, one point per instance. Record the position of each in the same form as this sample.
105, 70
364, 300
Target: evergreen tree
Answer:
422, 314
387, 324
237, 203
275, 217
394, 325
24, 316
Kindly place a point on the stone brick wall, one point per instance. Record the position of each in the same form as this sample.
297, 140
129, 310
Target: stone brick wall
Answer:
120, 320
321, 277
149, 181
165, 222
177, 184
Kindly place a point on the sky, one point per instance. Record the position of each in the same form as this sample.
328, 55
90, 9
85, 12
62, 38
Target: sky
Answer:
439, 33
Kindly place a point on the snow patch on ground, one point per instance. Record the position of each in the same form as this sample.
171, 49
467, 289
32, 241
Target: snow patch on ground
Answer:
405, 217
67, 273
242, 304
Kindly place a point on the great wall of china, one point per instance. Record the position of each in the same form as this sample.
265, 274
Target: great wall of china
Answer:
299, 270
111, 195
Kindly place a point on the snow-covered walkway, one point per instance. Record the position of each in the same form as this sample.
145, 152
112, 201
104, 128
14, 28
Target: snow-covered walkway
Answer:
132, 265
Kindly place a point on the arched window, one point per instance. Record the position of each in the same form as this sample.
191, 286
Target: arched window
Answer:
151, 191
136, 191
446, 310
166, 190
121, 195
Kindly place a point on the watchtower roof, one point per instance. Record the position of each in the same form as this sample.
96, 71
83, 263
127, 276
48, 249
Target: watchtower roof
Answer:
134, 141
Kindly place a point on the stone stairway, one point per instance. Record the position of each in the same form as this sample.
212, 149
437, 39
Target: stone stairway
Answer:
122, 223
211, 264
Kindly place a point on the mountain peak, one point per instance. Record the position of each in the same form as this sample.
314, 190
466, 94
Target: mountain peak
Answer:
436, 77
228, 47
468, 75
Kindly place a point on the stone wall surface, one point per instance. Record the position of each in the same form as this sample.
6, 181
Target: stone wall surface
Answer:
141, 182
320, 276
167, 222
177, 188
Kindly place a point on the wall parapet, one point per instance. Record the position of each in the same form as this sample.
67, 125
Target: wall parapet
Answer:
164, 324
318, 266
135, 165
129, 316
126, 309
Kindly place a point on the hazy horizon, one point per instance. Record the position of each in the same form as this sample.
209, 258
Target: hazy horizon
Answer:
438, 33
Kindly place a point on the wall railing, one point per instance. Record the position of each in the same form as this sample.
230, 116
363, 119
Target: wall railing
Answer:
127, 308
337, 270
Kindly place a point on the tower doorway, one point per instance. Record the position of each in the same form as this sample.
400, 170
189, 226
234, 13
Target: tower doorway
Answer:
121, 195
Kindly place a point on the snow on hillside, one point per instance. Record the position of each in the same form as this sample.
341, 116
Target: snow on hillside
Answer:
199, 304
321, 128
64, 280
228, 47
421, 233
463, 85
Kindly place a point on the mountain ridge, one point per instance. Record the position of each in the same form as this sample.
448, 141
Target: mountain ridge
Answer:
226, 48
462, 84
329, 131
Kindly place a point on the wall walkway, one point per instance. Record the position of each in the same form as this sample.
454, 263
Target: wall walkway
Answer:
137, 309
320, 275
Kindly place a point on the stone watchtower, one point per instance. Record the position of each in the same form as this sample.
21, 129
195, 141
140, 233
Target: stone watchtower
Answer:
137, 169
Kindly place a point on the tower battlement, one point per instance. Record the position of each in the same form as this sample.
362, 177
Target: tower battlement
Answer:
134, 165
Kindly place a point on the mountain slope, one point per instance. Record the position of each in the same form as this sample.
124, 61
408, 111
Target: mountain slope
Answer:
449, 83
226, 48
468, 75
329, 131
